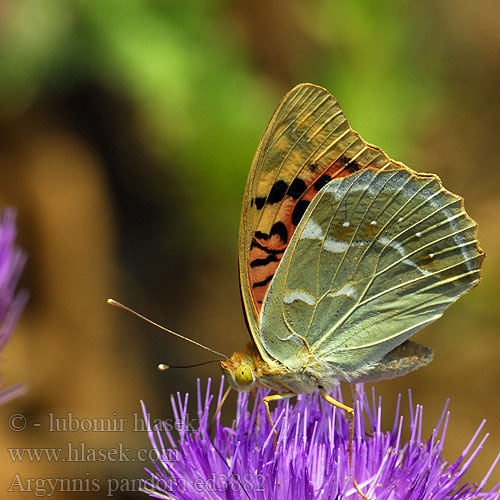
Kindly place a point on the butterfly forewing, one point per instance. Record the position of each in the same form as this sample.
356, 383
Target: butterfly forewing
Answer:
376, 256
307, 143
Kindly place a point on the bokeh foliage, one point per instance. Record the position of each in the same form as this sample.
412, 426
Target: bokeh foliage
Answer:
201, 97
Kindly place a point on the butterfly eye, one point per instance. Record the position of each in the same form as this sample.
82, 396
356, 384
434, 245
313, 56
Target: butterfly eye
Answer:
243, 375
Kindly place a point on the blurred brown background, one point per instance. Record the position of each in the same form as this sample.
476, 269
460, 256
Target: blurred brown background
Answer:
126, 133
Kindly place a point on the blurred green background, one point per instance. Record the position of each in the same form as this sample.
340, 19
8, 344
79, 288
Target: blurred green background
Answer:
127, 129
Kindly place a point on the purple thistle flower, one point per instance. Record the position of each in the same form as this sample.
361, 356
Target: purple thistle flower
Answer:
311, 460
12, 260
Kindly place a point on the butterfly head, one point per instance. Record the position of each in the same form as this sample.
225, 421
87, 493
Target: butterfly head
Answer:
240, 369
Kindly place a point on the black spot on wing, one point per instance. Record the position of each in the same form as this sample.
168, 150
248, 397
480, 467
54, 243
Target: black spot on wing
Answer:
296, 189
260, 202
299, 210
280, 229
322, 181
256, 244
313, 166
352, 166
277, 192
261, 236
263, 282
264, 262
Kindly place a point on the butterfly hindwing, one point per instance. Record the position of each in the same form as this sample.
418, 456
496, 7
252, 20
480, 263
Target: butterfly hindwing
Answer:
376, 256
307, 143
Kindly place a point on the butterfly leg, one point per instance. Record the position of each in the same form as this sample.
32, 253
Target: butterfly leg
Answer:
349, 410
275, 397
219, 408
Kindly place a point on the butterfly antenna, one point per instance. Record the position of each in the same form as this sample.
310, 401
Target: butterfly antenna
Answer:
162, 366
118, 305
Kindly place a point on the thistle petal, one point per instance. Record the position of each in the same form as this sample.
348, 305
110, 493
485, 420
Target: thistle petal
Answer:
311, 460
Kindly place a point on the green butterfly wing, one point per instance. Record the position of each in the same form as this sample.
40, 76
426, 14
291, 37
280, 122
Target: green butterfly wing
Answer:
376, 257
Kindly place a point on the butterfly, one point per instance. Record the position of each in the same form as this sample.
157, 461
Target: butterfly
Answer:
344, 254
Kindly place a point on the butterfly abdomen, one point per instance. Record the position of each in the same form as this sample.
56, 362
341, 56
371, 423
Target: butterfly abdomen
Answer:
404, 359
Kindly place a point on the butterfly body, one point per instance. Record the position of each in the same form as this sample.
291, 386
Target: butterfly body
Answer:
344, 255
320, 376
